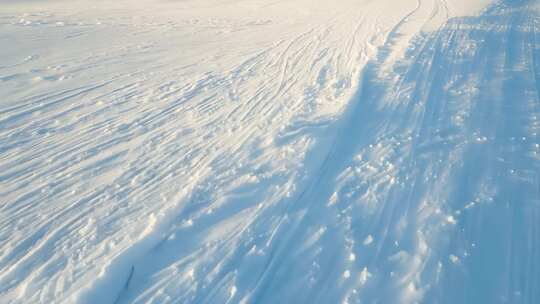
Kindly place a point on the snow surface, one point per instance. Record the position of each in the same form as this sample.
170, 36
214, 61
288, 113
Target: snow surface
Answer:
264, 151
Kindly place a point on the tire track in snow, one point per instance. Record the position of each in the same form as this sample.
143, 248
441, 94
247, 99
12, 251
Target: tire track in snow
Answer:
448, 134
156, 167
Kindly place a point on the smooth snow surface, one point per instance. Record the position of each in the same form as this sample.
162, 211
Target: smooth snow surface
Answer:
261, 151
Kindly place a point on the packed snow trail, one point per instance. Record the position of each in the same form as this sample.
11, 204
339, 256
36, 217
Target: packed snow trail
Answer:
431, 190
213, 152
439, 164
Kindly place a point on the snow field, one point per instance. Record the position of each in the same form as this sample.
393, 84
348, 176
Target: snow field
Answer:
260, 152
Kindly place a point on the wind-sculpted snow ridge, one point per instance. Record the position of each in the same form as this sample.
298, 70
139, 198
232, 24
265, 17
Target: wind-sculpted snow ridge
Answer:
259, 151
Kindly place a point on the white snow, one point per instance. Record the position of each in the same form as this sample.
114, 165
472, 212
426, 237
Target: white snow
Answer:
259, 151
368, 240
451, 220
364, 276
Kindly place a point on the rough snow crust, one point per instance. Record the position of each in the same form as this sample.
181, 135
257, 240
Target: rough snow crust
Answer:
258, 151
